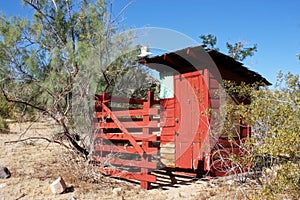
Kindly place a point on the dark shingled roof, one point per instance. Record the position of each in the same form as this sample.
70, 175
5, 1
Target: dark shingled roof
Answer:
194, 58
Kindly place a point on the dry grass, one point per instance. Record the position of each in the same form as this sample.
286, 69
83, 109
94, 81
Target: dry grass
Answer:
35, 164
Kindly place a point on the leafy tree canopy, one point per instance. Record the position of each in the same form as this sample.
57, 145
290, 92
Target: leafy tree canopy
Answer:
52, 62
237, 51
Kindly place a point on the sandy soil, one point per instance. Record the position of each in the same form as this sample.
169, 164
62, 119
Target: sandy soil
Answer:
35, 164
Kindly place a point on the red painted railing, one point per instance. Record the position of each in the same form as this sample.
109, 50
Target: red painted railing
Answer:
125, 136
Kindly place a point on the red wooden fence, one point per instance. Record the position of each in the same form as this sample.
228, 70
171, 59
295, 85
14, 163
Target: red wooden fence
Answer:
125, 137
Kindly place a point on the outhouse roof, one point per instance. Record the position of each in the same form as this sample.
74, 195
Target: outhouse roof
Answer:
197, 58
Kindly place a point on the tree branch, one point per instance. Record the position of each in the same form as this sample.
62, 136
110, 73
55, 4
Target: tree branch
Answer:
37, 138
46, 18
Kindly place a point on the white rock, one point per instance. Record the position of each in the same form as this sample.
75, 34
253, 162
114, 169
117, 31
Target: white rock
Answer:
58, 186
230, 182
117, 191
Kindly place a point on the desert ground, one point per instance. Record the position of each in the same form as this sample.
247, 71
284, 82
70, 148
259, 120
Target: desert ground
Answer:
35, 164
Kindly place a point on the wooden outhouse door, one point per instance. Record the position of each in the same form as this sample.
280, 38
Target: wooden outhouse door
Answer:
187, 116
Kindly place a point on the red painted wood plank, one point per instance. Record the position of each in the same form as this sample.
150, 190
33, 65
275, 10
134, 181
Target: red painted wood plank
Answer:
168, 131
137, 112
124, 130
167, 103
132, 163
116, 136
167, 138
151, 111
132, 124
167, 122
225, 143
245, 131
130, 175
123, 149
167, 112
128, 100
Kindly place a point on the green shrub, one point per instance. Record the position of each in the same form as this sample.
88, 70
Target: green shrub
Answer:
5, 108
4, 128
274, 115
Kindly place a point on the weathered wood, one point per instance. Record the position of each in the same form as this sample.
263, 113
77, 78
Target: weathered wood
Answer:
133, 163
165, 150
129, 175
132, 124
167, 122
168, 145
127, 112
124, 130
120, 136
168, 160
123, 149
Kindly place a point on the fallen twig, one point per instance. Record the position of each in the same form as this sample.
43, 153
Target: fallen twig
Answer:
21, 196
37, 138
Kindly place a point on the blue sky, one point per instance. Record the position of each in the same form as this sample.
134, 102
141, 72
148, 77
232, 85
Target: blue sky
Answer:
274, 25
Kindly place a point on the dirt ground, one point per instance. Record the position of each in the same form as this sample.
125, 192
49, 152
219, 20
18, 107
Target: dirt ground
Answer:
35, 164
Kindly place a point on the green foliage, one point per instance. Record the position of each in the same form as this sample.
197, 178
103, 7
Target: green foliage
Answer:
45, 60
51, 63
209, 41
237, 51
129, 81
4, 128
284, 182
274, 115
5, 108
6, 111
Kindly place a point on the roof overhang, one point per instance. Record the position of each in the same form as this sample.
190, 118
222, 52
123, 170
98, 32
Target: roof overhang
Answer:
197, 58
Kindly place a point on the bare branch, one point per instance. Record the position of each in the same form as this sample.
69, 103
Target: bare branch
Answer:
22, 102
122, 11
46, 18
37, 138
25, 131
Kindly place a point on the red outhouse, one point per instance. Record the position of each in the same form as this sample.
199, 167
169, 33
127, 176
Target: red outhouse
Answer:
176, 131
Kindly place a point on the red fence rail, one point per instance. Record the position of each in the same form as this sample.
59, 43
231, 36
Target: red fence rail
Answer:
125, 137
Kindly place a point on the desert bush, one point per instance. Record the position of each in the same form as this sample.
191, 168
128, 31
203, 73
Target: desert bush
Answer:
5, 108
79, 171
274, 115
4, 128
4, 113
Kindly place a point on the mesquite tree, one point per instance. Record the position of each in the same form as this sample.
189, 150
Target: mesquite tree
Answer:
50, 62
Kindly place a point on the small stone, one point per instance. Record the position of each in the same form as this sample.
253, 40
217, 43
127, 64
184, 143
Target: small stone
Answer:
230, 182
58, 186
2, 185
212, 185
182, 195
117, 191
4, 173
